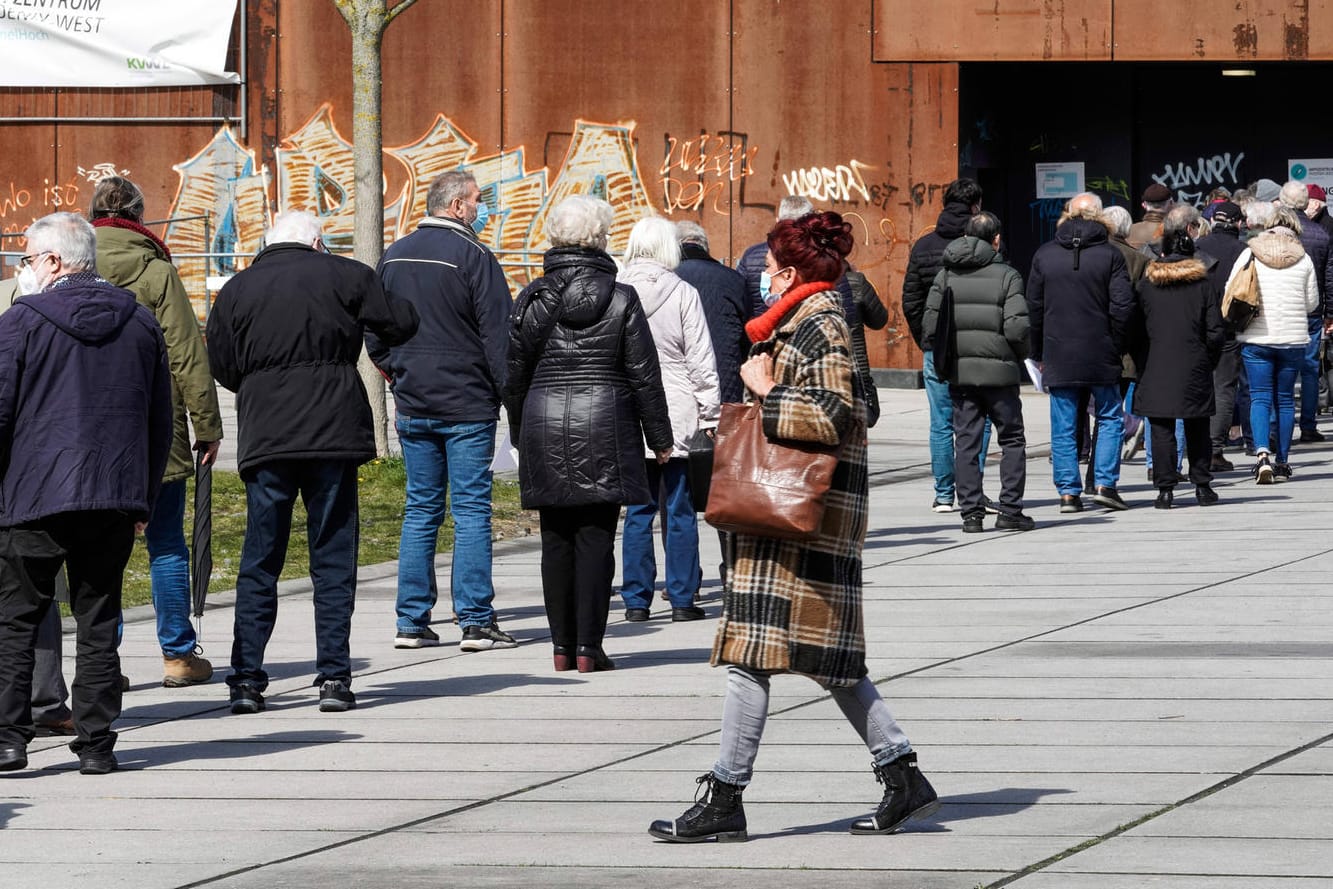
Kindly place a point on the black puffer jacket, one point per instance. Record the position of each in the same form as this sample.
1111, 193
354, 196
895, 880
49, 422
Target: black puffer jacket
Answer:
925, 262
584, 390
1079, 304
285, 335
1183, 327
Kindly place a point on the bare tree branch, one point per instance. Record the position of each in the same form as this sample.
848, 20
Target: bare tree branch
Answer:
395, 11
347, 9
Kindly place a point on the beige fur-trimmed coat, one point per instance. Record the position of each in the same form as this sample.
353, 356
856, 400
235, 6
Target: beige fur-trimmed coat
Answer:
795, 606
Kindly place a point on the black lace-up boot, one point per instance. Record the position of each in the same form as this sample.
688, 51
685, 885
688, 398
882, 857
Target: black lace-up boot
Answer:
718, 816
907, 794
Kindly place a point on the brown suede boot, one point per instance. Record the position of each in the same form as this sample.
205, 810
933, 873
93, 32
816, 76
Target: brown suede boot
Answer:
178, 672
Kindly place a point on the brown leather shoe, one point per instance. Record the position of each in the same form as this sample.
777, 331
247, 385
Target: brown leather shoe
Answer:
55, 726
182, 671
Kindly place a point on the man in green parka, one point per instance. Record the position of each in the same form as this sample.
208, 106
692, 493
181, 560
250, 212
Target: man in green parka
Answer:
131, 256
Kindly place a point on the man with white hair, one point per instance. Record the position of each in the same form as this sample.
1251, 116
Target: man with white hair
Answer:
446, 386
76, 483
1296, 196
1079, 302
285, 335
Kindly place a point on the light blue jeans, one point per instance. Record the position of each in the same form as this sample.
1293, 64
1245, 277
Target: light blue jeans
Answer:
1064, 444
745, 712
448, 466
169, 571
940, 404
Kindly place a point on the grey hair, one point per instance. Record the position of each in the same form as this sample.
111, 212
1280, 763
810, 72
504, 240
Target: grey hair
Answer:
1119, 220
294, 227
794, 206
1181, 217
1091, 206
690, 232
580, 221
67, 235
654, 238
447, 188
1287, 217
1295, 195
1259, 215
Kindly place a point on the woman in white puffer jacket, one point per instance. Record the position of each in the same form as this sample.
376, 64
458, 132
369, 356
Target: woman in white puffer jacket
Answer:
689, 376
1273, 345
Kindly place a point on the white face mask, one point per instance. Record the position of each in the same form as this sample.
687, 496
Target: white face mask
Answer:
27, 281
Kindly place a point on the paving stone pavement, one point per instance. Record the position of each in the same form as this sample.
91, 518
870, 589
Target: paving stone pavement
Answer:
1112, 700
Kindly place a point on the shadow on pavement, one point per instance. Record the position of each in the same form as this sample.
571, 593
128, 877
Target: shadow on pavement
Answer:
235, 748
8, 811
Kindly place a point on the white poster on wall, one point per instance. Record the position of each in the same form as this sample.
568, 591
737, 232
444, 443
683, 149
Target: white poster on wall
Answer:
1312, 171
1059, 180
115, 43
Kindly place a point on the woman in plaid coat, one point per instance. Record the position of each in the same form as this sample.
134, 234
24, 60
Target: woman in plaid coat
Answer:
795, 606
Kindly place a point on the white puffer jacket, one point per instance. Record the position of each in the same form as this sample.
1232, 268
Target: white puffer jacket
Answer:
1288, 289
684, 348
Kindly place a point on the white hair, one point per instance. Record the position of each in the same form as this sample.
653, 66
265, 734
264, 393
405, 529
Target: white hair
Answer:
1295, 195
1120, 220
1089, 205
690, 232
1259, 214
67, 235
294, 226
794, 206
654, 238
580, 221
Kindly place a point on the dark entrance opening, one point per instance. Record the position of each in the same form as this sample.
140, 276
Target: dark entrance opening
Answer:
1183, 124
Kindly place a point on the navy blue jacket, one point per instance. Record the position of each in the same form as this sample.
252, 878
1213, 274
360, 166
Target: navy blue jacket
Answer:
722, 292
1080, 304
454, 368
285, 335
751, 267
85, 403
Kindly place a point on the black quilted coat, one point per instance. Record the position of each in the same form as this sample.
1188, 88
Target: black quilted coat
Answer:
584, 390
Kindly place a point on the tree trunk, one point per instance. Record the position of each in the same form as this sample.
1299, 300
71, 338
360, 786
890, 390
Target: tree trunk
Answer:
368, 226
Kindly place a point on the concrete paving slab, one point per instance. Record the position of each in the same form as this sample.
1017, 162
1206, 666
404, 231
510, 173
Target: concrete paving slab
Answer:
1105, 880
1257, 859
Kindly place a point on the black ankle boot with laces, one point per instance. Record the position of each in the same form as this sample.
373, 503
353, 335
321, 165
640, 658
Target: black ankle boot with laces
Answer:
718, 816
907, 794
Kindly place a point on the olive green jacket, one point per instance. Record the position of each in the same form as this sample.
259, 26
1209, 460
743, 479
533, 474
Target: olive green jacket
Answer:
130, 260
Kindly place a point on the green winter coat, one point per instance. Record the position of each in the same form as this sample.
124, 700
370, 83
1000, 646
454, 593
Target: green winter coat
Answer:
990, 313
133, 261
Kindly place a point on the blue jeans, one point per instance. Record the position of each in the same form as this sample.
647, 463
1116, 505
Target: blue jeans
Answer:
681, 544
1064, 446
328, 490
940, 403
169, 569
1310, 376
448, 465
1272, 371
1180, 447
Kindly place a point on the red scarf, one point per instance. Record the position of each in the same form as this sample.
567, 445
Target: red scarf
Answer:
121, 222
761, 328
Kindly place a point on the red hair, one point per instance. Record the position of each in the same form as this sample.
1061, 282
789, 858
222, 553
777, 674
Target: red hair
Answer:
816, 245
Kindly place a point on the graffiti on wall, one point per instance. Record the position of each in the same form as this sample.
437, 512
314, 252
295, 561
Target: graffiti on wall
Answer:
1192, 181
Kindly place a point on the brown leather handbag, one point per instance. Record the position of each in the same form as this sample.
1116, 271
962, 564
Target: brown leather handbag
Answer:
768, 487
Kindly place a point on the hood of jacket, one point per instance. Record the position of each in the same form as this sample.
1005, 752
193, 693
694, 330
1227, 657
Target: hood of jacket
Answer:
968, 252
952, 220
585, 278
124, 255
1277, 249
1176, 269
84, 306
655, 283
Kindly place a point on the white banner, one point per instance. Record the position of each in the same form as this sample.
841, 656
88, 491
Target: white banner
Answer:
115, 43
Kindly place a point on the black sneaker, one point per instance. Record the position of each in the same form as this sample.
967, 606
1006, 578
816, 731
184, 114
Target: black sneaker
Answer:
485, 638
1071, 503
1309, 436
1263, 470
1015, 522
941, 505
1109, 497
689, 612
991, 507
246, 699
1281, 472
335, 696
418, 637
973, 524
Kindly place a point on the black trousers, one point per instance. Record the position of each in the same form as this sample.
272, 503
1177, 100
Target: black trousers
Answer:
1226, 376
1198, 447
94, 546
972, 406
578, 567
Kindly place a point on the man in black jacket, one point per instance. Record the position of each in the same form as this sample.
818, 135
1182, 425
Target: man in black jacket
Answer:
722, 292
1223, 244
1079, 305
285, 335
446, 384
962, 200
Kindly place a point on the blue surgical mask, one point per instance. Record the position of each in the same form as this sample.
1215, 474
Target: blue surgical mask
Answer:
765, 282
483, 216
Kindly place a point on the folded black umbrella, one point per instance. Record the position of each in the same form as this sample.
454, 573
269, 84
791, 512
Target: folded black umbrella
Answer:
202, 541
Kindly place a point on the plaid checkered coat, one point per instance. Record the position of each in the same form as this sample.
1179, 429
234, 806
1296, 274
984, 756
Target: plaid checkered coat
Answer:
795, 606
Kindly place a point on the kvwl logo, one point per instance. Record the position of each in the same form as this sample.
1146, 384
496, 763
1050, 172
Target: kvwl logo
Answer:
137, 63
